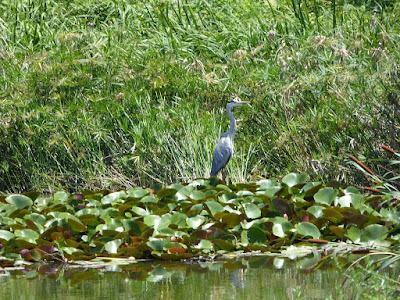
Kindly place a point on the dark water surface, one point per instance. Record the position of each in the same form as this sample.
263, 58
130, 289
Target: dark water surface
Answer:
258, 277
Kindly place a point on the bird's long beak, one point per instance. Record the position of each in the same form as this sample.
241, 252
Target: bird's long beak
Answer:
243, 102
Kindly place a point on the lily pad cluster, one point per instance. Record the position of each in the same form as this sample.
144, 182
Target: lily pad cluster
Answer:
202, 218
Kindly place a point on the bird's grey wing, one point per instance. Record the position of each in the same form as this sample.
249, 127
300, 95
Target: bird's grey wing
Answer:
222, 154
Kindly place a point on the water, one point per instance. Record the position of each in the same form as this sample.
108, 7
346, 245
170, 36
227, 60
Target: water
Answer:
259, 277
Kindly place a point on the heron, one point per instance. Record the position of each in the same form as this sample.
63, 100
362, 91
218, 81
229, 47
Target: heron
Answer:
224, 149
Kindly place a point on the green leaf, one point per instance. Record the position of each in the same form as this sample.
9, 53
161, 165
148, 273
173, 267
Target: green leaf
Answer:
6, 235
355, 200
204, 245
224, 245
197, 195
316, 210
140, 211
179, 219
166, 193
333, 215
252, 211
152, 221
195, 222
61, 197
307, 229
280, 229
374, 232
256, 235
112, 246
214, 207
27, 234
139, 192
326, 196
19, 201
294, 179
36, 218
148, 199
156, 244
265, 184
110, 198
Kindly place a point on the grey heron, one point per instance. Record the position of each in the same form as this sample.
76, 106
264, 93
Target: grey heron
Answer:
224, 149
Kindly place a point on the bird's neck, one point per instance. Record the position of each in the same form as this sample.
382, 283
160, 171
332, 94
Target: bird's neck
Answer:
232, 129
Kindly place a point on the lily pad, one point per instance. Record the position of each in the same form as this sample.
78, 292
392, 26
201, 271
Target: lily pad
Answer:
19, 201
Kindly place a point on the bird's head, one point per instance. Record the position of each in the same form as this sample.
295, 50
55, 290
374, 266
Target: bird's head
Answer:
235, 102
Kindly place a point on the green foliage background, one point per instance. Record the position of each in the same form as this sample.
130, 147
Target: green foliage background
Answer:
116, 94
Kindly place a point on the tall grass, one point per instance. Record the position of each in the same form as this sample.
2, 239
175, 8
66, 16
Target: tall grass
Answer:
124, 93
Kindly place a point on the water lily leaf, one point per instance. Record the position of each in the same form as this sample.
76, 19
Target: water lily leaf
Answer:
111, 198
224, 245
311, 188
184, 192
61, 197
280, 229
374, 232
272, 191
231, 219
355, 200
32, 195
164, 222
149, 199
339, 231
333, 215
354, 234
131, 225
6, 235
139, 192
112, 246
76, 225
282, 207
316, 210
197, 195
226, 197
157, 244
27, 234
19, 201
265, 184
140, 211
40, 219
204, 245
177, 250
325, 195
152, 221
166, 193
31, 225
256, 235
307, 229
294, 179
252, 211
89, 220
214, 207
26, 244
195, 222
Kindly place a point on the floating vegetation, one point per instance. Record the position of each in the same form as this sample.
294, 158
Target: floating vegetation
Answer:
204, 218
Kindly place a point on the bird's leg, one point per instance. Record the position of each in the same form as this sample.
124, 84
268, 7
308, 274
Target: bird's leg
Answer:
223, 174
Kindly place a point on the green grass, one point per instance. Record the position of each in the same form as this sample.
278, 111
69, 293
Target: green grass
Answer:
115, 94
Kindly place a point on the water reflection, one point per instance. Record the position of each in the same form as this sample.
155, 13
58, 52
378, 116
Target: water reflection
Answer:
257, 277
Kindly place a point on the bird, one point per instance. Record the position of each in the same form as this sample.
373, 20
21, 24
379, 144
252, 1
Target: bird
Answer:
224, 149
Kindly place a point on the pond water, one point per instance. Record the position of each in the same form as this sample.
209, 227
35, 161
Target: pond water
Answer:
256, 277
